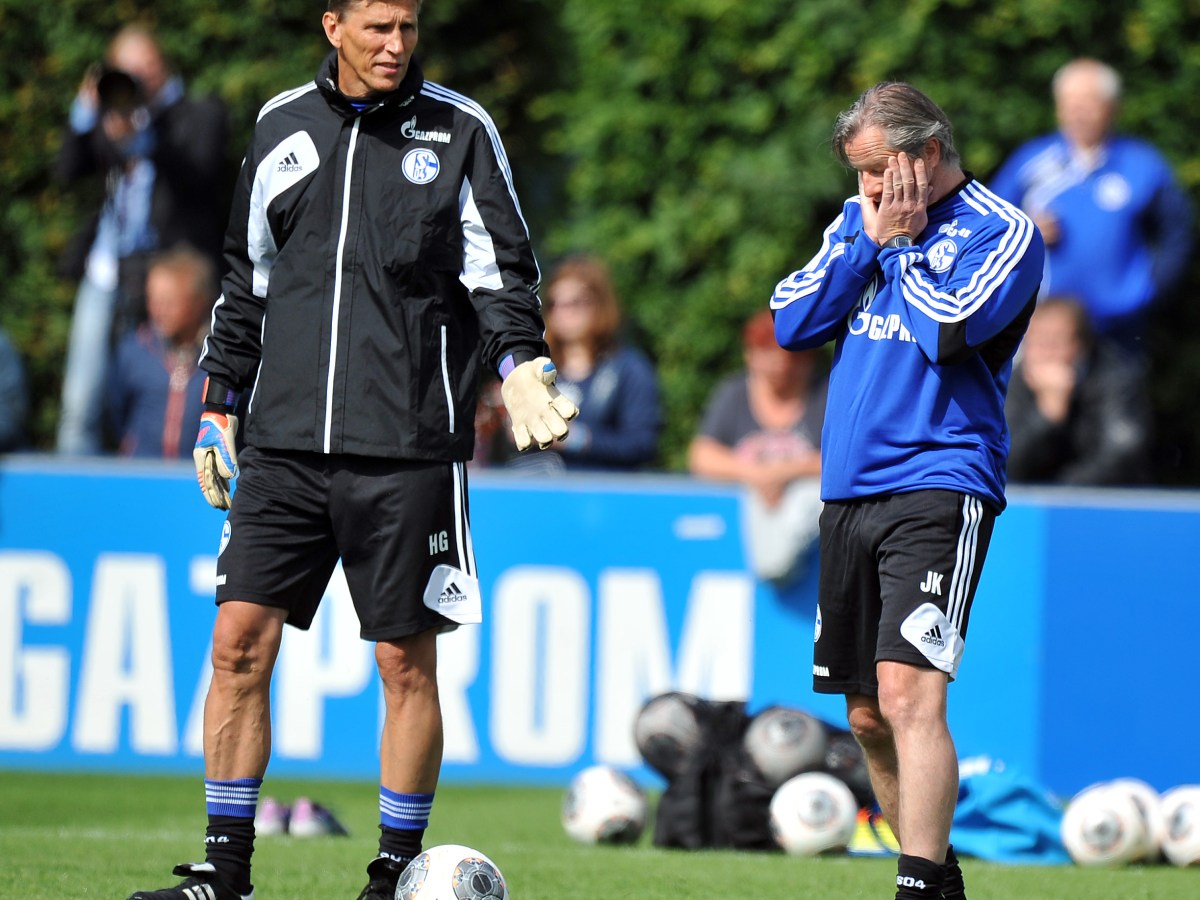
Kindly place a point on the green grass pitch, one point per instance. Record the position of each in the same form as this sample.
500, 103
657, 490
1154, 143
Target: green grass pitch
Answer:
103, 836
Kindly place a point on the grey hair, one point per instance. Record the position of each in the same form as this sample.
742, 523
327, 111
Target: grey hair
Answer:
908, 119
341, 7
1107, 78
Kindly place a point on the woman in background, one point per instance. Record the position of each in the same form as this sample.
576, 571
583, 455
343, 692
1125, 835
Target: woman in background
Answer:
762, 428
613, 384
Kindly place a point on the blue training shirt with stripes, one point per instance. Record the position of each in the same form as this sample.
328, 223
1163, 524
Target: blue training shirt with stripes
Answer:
924, 338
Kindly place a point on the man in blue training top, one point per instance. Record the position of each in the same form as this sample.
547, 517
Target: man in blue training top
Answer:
926, 282
1116, 223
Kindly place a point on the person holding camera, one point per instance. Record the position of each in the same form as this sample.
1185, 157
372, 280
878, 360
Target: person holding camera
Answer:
162, 157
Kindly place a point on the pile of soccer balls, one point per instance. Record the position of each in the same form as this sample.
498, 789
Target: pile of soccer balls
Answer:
1126, 821
810, 769
812, 811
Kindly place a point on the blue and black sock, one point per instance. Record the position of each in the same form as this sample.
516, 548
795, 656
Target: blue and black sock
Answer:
229, 841
403, 819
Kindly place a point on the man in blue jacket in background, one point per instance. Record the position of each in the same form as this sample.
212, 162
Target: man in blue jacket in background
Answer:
1116, 224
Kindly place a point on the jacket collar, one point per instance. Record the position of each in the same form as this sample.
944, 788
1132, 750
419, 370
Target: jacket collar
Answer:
967, 178
327, 80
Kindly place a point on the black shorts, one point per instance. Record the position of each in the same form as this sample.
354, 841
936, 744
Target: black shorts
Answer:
898, 575
396, 525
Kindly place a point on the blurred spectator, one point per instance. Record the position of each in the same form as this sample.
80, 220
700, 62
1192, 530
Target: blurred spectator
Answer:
162, 159
1117, 226
154, 389
762, 428
14, 396
493, 439
1077, 407
613, 384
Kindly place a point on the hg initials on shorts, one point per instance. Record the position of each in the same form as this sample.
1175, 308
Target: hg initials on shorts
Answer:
439, 542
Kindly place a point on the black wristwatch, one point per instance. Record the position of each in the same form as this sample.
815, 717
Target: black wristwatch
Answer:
895, 243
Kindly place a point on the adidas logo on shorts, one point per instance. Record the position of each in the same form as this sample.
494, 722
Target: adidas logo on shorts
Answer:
452, 594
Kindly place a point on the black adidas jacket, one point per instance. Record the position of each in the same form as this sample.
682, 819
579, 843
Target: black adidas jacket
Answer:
376, 260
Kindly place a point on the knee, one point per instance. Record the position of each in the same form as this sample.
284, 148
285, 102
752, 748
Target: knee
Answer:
905, 706
408, 666
869, 727
244, 647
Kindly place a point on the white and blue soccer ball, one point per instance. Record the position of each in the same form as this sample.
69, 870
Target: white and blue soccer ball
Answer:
1180, 808
452, 872
1103, 826
603, 805
813, 813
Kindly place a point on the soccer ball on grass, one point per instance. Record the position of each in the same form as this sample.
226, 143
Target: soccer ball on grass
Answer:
1149, 804
1180, 809
451, 872
1103, 826
603, 805
813, 813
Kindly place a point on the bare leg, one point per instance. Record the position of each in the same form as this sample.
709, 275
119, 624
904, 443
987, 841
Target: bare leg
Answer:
879, 744
237, 710
913, 703
411, 751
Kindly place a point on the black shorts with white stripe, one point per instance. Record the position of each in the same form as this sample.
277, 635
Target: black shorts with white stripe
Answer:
392, 523
898, 576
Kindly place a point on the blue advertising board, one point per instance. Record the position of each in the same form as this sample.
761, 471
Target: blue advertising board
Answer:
598, 593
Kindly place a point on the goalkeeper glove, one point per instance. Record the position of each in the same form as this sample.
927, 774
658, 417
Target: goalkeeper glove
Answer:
216, 456
538, 411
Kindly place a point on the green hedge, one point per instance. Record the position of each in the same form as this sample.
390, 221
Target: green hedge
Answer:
686, 141
702, 168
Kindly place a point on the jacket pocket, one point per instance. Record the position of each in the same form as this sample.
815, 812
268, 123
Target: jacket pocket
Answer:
444, 370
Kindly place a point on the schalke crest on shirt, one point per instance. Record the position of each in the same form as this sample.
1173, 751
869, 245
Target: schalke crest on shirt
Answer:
1112, 192
421, 165
941, 255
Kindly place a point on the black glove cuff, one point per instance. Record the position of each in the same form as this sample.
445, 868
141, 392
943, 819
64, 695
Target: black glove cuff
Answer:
525, 354
219, 397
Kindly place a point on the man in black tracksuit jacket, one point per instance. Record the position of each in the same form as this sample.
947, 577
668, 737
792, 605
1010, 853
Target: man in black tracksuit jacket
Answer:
378, 263
387, 289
